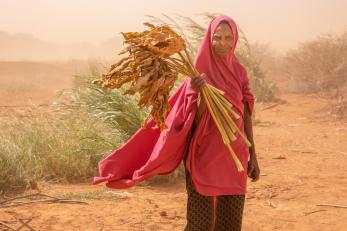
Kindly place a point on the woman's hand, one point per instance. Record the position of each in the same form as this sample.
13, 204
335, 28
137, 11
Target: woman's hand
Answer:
253, 170
197, 82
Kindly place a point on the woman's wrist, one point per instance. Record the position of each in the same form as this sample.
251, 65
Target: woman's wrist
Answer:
252, 151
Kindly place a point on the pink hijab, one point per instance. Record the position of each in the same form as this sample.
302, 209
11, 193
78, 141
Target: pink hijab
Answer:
225, 73
150, 152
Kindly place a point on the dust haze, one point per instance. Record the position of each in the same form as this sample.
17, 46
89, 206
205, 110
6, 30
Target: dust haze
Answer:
297, 52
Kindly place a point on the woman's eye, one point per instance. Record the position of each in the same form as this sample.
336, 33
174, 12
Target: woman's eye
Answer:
216, 38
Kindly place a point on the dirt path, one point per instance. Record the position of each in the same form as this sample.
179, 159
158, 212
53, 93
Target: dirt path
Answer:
303, 157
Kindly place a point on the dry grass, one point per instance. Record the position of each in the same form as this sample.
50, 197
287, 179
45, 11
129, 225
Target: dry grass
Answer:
320, 66
52, 146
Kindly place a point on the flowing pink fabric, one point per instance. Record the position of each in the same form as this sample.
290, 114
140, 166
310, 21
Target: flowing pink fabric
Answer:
150, 152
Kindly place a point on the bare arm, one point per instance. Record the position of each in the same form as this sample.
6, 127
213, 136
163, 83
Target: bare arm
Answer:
253, 170
249, 129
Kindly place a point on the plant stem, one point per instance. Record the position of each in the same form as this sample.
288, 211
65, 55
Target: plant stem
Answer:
221, 129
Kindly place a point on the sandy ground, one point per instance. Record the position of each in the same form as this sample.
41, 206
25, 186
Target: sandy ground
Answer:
302, 153
303, 156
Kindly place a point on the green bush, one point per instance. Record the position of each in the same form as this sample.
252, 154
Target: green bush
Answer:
53, 146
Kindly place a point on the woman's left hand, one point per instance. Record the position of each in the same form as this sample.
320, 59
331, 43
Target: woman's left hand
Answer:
197, 82
253, 170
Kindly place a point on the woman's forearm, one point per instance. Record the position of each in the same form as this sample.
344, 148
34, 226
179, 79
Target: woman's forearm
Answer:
249, 128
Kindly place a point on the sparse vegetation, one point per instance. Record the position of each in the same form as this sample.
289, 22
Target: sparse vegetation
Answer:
320, 66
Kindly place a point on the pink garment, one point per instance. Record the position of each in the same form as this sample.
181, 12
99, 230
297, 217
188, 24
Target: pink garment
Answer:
212, 169
150, 152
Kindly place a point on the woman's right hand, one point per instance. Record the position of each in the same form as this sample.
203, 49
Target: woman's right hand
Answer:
197, 82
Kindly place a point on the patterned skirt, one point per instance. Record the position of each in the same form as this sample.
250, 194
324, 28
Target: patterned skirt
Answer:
217, 213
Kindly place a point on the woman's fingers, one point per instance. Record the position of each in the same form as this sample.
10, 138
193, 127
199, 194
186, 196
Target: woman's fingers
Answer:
197, 82
255, 175
200, 82
253, 172
250, 169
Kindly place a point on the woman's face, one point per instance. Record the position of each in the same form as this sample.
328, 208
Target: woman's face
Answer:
222, 40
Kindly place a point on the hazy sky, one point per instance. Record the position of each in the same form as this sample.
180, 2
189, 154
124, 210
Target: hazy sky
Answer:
282, 23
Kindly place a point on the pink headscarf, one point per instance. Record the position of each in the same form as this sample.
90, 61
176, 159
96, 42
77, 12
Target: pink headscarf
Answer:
150, 152
227, 73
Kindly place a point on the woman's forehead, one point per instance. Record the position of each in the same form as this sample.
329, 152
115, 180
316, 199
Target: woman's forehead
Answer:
223, 28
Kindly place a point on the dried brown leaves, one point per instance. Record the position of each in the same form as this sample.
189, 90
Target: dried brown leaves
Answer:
149, 68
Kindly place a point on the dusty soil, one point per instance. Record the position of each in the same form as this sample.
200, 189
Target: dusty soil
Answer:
303, 156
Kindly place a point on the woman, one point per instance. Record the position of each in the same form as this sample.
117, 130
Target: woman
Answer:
218, 201
215, 188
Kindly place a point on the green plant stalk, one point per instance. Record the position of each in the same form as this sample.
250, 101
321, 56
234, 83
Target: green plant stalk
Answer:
209, 103
244, 138
225, 102
223, 112
232, 124
223, 116
180, 69
217, 90
190, 60
188, 65
228, 129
